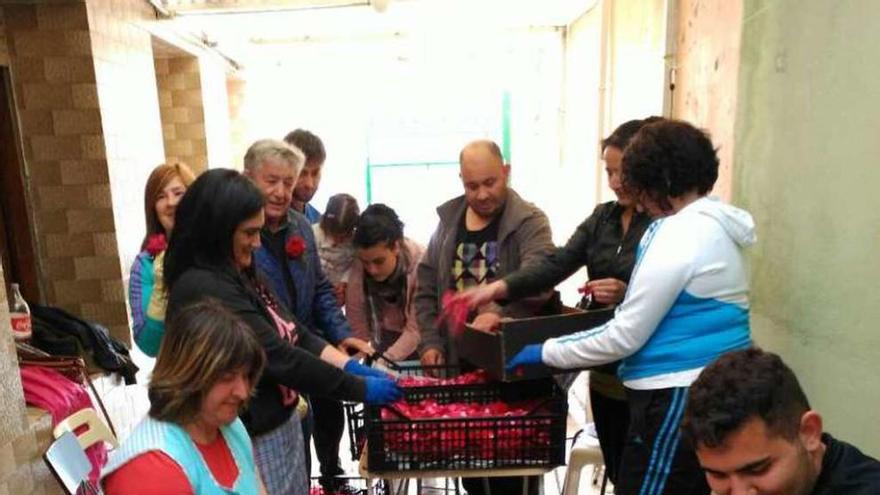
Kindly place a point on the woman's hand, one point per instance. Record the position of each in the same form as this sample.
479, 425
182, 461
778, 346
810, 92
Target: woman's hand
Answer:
432, 357
356, 368
530, 354
339, 291
606, 290
487, 322
483, 294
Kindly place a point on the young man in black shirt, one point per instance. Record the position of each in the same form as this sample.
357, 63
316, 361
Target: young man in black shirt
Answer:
755, 433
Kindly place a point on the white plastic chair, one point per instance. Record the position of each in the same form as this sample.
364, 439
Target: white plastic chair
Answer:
584, 453
97, 430
68, 462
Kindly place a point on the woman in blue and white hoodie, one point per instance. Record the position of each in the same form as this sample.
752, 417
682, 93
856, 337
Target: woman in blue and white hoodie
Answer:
687, 303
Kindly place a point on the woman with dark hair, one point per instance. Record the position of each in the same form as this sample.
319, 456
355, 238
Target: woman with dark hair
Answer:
192, 441
211, 255
382, 284
605, 243
333, 236
146, 294
686, 304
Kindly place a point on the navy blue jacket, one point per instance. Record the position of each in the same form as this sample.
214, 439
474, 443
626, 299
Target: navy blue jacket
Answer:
315, 305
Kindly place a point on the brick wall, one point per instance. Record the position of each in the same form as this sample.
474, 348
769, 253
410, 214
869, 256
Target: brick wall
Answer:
193, 105
91, 133
66, 163
180, 105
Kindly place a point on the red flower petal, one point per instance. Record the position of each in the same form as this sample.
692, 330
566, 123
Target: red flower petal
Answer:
295, 247
156, 244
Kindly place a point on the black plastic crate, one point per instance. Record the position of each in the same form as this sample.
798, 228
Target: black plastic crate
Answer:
396, 443
492, 351
354, 414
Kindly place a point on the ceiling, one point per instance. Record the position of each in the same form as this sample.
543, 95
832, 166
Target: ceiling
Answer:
244, 29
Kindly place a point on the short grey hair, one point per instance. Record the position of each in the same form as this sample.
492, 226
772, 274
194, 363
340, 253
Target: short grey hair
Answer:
265, 149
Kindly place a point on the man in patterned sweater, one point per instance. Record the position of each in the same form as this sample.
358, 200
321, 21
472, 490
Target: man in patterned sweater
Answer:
483, 235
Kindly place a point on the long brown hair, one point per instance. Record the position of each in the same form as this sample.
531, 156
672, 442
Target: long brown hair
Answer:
159, 178
203, 342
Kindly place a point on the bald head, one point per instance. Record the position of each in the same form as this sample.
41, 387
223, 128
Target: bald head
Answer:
481, 149
484, 176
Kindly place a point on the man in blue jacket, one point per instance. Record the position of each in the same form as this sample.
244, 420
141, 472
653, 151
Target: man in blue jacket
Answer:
288, 259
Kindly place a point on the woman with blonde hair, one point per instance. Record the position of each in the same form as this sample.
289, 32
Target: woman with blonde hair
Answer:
192, 441
165, 186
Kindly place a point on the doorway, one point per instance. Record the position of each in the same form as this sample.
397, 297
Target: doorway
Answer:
16, 235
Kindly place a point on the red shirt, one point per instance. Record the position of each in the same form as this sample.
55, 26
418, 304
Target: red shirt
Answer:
154, 473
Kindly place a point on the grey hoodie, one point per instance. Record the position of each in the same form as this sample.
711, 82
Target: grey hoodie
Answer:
523, 238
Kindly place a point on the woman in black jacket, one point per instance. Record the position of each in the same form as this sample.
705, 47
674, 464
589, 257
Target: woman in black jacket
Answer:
217, 228
606, 244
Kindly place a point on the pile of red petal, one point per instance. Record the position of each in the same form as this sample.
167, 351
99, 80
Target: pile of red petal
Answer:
156, 244
496, 430
431, 409
455, 312
472, 378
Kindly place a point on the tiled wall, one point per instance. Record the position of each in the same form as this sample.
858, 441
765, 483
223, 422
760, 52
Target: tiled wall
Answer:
180, 105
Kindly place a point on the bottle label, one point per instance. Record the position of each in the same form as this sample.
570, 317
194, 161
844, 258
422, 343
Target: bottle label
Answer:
21, 324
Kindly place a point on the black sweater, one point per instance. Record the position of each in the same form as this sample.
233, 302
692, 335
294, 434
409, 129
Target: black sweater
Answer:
846, 470
293, 365
598, 243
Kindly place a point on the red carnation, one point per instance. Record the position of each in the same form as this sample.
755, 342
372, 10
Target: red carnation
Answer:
295, 247
156, 244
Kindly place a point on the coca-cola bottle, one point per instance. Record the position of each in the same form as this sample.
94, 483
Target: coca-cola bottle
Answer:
20, 314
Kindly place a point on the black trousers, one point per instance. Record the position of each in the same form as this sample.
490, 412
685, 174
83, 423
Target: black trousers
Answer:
611, 417
655, 460
500, 486
325, 425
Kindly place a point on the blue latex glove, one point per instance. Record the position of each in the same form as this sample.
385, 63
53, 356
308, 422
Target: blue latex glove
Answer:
356, 368
381, 390
530, 354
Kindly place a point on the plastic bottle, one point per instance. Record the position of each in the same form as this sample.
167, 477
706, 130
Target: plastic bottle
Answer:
20, 315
